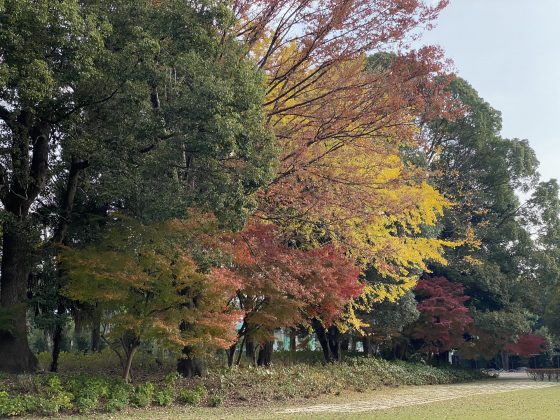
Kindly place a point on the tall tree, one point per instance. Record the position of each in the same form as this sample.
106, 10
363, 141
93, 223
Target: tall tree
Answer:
162, 111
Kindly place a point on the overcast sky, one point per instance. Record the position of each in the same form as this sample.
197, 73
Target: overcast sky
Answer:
509, 51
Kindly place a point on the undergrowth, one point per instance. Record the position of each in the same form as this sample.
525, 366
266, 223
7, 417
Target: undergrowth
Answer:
73, 391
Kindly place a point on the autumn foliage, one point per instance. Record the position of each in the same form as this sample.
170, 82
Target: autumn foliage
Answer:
285, 286
443, 315
527, 345
147, 286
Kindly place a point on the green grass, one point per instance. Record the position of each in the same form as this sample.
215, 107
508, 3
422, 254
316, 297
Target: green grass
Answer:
515, 405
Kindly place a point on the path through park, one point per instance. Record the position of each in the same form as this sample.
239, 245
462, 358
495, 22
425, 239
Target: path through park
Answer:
408, 396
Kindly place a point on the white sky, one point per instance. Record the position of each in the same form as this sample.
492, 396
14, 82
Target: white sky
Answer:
509, 51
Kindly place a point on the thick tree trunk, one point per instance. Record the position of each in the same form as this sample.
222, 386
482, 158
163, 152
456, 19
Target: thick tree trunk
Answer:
334, 340
250, 350
368, 346
321, 334
95, 337
265, 354
505, 360
189, 366
29, 175
15, 354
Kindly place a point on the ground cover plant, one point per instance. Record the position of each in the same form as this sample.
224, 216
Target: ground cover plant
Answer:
73, 391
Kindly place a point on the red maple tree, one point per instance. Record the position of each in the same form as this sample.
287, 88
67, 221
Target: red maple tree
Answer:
443, 314
527, 345
282, 285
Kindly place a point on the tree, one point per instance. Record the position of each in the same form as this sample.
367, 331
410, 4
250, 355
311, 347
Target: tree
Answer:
501, 262
49, 56
387, 322
342, 122
283, 286
146, 284
527, 345
147, 97
444, 318
492, 331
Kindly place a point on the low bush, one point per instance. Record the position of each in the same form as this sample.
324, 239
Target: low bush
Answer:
50, 394
143, 395
119, 396
164, 397
88, 391
192, 396
17, 405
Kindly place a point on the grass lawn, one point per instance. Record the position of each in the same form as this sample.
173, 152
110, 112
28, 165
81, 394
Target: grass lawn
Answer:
523, 405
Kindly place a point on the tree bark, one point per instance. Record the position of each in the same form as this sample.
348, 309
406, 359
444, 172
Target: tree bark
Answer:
265, 354
293, 342
231, 354
321, 334
190, 366
334, 340
129, 357
505, 360
368, 346
57, 340
95, 336
28, 179
15, 354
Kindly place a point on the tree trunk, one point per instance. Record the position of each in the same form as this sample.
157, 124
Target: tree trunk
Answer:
334, 340
29, 175
95, 337
368, 347
353, 344
57, 340
129, 343
265, 354
230, 354
129, 356
96, 331
321, 333
505, 360
293, 342
190, 366
345, 344
15, 354
250, 350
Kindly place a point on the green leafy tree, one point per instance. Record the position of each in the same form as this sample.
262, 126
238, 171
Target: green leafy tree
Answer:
144, 103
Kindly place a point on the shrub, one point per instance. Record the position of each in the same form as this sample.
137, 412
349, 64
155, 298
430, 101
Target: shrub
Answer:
87, 392
192, 396
143, 395
17, 405
119, 396
165, 397
215, 400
